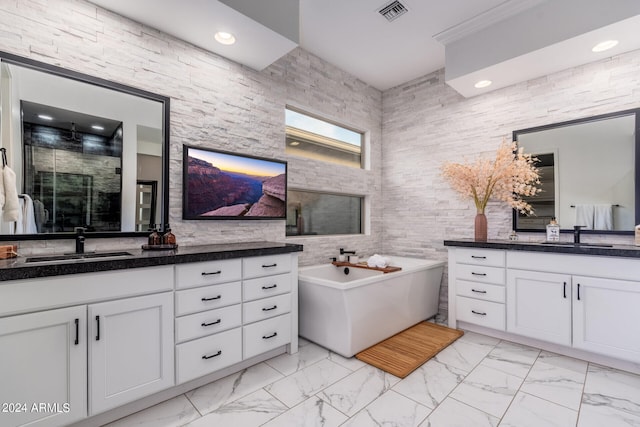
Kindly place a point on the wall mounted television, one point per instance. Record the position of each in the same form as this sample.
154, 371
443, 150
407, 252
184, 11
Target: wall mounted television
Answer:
223, 185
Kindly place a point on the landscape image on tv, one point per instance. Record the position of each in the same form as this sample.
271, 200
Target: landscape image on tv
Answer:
222, 185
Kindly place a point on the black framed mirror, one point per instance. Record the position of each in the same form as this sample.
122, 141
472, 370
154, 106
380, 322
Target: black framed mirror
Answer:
79, 146
589, 173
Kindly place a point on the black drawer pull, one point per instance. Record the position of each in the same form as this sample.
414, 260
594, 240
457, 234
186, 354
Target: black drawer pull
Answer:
204, 273
213, 355
270, 308
204, 324
77, 322
578, 291
266, 337
97, 328
478, 292
211, 299
478, 274
564, 289
269, 287
478, 257
269, 265
477, 312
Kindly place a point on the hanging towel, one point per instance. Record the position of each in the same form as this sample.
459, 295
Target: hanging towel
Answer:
27, 221
603, 217
2, 196
585, 215
11, 205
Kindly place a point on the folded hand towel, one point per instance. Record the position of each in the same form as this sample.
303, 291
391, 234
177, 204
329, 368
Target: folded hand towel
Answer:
584, 216
603, 217
377, 261
11, 205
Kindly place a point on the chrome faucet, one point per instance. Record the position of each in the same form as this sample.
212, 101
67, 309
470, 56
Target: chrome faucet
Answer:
79, 240
576, 233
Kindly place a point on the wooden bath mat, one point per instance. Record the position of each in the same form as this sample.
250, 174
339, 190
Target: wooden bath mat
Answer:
404, 352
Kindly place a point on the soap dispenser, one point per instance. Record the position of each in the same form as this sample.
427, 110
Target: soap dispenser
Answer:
553, 231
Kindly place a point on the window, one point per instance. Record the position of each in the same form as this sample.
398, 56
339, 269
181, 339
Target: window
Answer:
315, 213
318, 139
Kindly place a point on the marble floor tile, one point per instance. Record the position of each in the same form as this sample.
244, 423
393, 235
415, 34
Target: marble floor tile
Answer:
357, 390
252, 410
467, 351
313, 412
512, 358
531, 411
213, 395
611, 387
307, 355
350, 363
430, 383
451, 413
556, 378
601, 415
390, 409
487, 389
308, 381
171, 413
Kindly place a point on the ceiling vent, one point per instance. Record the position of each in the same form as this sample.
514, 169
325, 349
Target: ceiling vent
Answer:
393, 10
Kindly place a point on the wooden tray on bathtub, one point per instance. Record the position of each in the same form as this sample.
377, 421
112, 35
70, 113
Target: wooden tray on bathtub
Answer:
389, 269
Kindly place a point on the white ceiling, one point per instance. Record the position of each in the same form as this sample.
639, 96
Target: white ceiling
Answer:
350, 34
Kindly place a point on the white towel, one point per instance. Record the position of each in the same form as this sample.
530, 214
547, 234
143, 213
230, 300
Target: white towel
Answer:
377, 261
603, 217
27, 223
11, 205
585, 215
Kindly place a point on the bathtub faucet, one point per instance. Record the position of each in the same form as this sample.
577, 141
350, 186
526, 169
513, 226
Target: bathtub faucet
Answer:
344, 252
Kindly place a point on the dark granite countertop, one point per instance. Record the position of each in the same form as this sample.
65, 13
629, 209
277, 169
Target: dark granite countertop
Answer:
17, 268
598, 249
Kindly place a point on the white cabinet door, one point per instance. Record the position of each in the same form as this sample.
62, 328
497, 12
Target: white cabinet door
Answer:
130, 350
539, 305
605, 317
43, 362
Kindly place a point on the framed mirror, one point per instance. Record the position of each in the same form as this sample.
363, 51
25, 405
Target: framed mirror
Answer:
87, 153
589, 174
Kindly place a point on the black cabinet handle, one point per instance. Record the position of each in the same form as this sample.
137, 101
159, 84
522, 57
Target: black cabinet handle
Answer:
269, 287
266, 337
77, 321
204, 324
564, 289
211, 299
478, 274
212, 273
478, 257
97, 328
270, 308
578, 291
269, 265
478, 292
477, 312
205, 357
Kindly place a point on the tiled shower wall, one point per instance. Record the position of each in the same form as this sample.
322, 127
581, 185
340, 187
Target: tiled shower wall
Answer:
426, 123
215, 103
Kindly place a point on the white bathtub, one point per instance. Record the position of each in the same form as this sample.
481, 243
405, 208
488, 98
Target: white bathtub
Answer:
348, 313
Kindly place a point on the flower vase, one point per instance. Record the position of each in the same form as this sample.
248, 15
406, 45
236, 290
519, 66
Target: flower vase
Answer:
480, 228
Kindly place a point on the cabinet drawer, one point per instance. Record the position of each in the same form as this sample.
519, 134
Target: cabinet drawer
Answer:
266, 286
207, 298
266, 265
484, 291
480, 273
484, 313
209, 354
208, 322
266, 308
266, 335
488, 257
208, 273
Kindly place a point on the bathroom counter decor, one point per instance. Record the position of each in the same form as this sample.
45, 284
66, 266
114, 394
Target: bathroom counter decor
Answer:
388, 269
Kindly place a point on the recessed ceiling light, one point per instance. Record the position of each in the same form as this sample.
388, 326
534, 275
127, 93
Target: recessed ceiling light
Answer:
483, 83
606, 45
224, 38
294, 143
97, 127
44, 117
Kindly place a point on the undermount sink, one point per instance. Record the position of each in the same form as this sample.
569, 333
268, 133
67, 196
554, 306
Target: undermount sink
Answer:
71, 257
577, 245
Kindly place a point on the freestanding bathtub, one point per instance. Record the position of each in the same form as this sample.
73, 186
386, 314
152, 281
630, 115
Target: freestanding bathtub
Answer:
348, 309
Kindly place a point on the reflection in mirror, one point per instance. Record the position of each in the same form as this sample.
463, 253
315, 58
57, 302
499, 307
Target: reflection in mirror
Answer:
588, 173
86, 152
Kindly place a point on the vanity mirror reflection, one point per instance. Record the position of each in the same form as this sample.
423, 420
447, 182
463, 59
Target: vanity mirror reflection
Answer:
588, 171
87, 152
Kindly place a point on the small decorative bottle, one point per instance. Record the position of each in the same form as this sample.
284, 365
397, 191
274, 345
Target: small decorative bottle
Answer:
154, 238
553, 231
168, 238
637, 235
